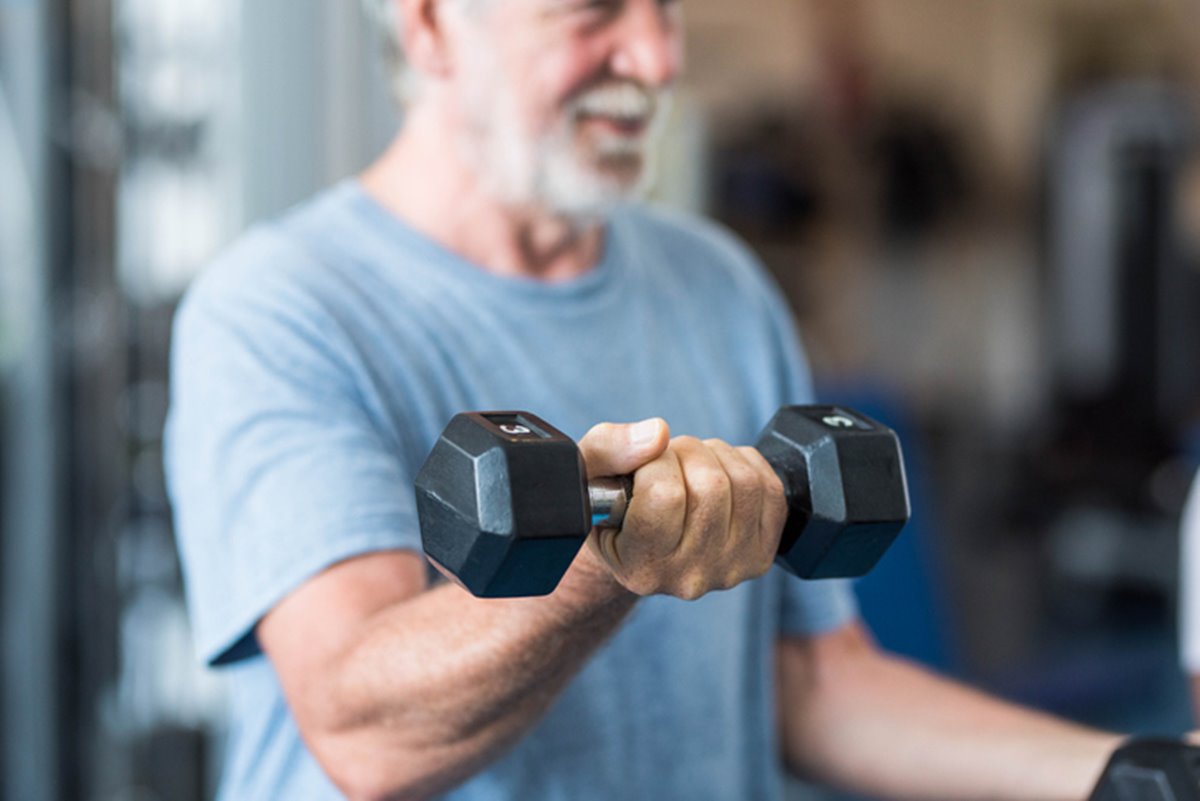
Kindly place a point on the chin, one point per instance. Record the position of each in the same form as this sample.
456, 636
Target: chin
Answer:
600, 200
581, 185
626, 173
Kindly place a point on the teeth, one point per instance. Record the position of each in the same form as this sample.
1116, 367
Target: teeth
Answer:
622, 100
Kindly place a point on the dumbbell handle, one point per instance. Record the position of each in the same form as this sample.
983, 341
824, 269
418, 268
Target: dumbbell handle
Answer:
609, 499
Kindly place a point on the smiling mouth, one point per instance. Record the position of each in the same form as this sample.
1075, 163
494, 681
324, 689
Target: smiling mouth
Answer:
615, 109
617, 125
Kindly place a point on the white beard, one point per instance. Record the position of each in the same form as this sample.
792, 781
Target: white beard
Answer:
549, 170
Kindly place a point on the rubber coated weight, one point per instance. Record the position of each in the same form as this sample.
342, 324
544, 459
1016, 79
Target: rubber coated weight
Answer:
847, 492
1151, 770
504, 505
502, 501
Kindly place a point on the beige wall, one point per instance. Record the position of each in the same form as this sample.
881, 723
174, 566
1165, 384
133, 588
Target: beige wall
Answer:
993, 64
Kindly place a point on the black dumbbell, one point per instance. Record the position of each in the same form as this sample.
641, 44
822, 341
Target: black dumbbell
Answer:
1151, 769
504, 502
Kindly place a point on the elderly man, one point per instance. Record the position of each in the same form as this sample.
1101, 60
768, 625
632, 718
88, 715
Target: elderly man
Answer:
491, 259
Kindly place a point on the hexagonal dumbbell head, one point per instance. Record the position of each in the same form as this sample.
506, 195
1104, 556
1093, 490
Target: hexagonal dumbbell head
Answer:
1150, 769
847, 492
502, 500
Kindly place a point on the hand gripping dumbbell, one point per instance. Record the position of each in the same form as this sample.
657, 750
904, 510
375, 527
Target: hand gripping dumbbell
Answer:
504, 502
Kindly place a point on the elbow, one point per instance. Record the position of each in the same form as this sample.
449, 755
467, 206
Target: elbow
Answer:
371, 760
362, 759
369, 771
367, 792
354, 792
365, 779
376, 756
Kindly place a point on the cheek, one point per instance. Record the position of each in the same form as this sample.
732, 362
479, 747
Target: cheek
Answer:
561, 73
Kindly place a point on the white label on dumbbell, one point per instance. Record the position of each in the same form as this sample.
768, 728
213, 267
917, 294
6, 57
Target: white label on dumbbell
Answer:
515, 429
837, 421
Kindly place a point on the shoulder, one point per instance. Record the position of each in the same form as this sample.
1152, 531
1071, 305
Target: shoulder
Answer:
276, 272
273, 257
268, 302
260, 263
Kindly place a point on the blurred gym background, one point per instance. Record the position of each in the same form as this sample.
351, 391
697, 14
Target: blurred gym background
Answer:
986, 213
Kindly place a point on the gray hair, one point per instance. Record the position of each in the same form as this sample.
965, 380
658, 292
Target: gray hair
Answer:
382, 16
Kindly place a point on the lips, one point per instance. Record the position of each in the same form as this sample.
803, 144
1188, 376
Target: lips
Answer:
618, 125
616, 108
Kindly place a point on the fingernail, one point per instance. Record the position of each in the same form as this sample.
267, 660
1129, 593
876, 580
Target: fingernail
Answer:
644, 433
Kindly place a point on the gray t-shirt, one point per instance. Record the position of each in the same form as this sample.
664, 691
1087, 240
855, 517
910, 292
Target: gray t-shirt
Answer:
315, 363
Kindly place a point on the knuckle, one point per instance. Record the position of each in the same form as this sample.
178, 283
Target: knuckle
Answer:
773, 491
640, 584
746, 478
710, 483
752, 455
690, 588
765, 563
664, 494
725, 579
755, 566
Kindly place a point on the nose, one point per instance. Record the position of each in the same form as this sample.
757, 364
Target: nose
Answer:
650, 46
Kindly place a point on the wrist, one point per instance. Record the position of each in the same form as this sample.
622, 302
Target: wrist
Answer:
589, 587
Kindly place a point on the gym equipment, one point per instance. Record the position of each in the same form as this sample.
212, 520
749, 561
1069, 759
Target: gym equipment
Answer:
1148, 769
504, 503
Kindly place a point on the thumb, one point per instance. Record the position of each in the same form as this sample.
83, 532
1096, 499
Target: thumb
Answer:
617, 449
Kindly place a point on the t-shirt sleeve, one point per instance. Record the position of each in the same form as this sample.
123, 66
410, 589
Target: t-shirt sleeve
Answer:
809, 607
1189, 606
275, 466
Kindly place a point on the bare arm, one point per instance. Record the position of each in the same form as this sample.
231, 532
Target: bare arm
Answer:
402, 693
857, 718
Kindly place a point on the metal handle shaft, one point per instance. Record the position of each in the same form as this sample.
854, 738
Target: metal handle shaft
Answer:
609, 499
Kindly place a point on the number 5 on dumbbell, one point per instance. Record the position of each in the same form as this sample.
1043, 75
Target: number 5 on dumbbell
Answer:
505, 505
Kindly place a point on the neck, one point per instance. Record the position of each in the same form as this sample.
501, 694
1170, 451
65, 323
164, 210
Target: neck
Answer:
422, 181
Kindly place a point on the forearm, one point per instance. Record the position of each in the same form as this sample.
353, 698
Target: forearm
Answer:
884, 727
436, 687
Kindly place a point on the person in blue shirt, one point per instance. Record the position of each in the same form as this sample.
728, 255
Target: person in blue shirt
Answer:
495, 257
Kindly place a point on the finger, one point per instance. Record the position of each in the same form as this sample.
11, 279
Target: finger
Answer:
603, 542
773, 510
617, 449
654, 523
743, 557
709, 498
